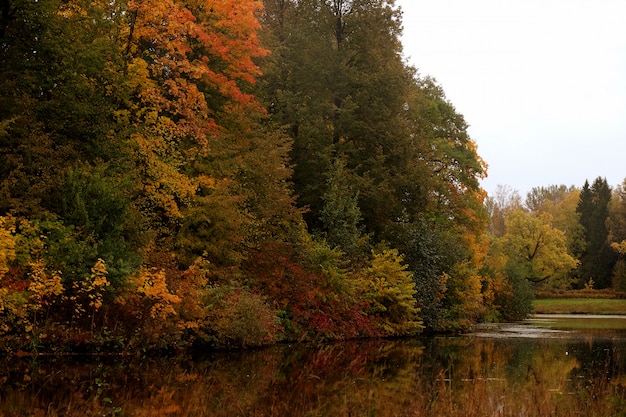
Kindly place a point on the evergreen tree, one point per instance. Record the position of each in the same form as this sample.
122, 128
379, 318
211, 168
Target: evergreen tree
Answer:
340, 215
597, 259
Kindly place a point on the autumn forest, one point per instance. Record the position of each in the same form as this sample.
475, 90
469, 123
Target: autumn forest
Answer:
183, 174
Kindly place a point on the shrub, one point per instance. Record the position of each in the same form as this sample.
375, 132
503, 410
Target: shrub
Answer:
515, 298
240, 318
391, 290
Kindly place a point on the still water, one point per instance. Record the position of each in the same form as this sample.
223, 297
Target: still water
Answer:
546, 366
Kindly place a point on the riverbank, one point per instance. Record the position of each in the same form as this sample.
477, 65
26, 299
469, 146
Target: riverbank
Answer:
610, 306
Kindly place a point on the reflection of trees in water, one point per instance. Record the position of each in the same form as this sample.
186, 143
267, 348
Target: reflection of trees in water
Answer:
430, 377
296, 380
600, 363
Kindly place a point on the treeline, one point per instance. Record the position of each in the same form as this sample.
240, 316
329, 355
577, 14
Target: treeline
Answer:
180, 173
559, 238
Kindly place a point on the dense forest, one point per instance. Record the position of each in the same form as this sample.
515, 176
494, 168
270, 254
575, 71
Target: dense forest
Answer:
180, 173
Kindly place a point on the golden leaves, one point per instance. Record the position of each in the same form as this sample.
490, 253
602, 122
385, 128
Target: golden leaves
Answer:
152, 284
391, 289
89, 292
43, 284
7, 244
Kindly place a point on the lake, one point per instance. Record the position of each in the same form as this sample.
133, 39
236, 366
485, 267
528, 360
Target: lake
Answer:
546, 366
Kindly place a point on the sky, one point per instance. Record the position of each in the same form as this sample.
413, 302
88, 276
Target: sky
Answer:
542, 83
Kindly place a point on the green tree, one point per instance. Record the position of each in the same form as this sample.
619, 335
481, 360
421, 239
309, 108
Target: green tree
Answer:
340, 215
616, 224
597, 259
339, 84
63, 154
616, 221
57, 72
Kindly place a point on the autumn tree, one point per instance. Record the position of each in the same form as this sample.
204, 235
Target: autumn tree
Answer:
391, 289
538, 248
560, 202
130, 134
531, 253
147, 181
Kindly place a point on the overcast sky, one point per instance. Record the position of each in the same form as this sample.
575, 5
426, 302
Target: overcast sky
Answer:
542, 83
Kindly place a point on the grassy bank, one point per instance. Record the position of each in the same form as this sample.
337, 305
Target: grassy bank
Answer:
579, 306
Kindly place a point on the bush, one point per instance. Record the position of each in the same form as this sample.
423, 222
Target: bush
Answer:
391, 291
515, 300
240, 318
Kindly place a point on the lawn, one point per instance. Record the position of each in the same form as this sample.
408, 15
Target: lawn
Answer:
579, 306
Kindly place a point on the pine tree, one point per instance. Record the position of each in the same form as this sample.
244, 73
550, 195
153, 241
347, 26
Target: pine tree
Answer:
597, 259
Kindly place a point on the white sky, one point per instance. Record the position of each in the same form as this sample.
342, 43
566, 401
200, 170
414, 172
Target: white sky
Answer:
542, 83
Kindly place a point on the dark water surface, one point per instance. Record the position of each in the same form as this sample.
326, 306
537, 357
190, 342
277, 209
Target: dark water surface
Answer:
547, 366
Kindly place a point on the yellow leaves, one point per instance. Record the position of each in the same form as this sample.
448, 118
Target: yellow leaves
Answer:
470, 298
164, 186
391, 290
70, 9
619, 247
19, 308
89, 292
532, 237
95, 286
43, 285
152, 284
3, 293
138, 78
13, 311
7, 244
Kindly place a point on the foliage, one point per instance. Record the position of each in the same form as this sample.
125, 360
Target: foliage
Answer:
537, 248
530, 253
597, 259
7, 244
391, 289
315, 300
151, 284
166, 181
514, 299
95, 204
560, 202
238, 318
340, 215
467, 301
88, 294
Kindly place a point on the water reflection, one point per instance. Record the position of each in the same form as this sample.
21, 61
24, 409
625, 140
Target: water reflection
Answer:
476, 375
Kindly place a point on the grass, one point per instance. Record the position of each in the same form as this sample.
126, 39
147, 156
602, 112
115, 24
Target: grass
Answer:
579, 306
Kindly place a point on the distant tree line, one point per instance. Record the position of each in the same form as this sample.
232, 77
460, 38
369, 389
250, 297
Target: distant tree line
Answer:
568, 237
